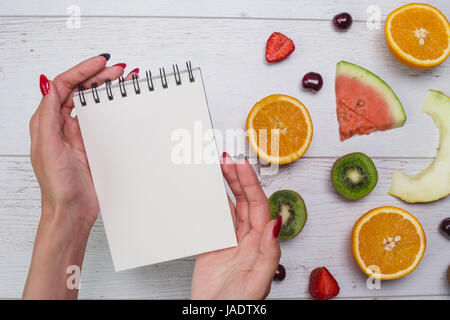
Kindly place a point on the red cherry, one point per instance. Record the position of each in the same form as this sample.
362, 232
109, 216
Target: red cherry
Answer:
342, 21
312, 81
280, 274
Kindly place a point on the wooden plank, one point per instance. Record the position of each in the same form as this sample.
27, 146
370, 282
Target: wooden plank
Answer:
324, 240
241, 9
231, 55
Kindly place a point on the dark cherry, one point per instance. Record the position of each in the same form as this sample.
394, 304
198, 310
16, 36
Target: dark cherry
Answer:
444, 227
312, 81
448, 275
342, 21
280, 274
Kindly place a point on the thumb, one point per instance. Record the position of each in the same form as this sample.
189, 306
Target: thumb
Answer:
49, 109
269, 253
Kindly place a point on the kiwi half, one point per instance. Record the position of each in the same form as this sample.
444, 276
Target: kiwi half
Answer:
291, 207
354, 175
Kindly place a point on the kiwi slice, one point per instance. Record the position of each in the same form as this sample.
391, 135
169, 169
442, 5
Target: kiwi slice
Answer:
291, 207
354, 175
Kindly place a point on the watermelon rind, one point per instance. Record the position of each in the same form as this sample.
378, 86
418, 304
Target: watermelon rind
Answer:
373, 81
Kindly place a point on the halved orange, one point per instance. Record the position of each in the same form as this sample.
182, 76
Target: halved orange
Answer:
279, 129
418, 35
388, 243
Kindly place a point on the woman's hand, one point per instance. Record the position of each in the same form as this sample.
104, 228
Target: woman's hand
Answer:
245, 271
69, 202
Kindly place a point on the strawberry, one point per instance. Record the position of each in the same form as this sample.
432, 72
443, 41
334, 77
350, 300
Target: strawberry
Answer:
322, 285
278, 47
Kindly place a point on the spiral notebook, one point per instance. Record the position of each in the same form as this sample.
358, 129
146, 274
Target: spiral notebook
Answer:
154, 207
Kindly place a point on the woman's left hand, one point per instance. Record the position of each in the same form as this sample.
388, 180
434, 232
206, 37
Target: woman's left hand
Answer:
69, 201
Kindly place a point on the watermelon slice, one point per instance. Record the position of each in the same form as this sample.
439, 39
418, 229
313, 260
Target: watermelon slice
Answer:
365, 103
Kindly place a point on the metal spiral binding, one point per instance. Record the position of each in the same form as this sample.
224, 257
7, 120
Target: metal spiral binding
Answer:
137, 89
191, 74
123, 91
148, 75
94, 87
109, 90
81, 95
175, 73
135, 79
163, 77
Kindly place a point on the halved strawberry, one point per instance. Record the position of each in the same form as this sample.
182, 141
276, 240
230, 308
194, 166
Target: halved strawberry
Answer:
322, 285
278, 47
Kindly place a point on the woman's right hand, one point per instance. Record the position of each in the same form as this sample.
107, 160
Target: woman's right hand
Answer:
246, 271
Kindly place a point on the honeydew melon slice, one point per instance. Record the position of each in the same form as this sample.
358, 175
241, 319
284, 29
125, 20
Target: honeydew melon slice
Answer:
434, 182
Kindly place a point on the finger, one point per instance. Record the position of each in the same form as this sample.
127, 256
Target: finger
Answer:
70, 79
49, 110
242, 212
108, 73
130, 75
269, 256
259, 213
34, 125
72, 133
34, 130
233, 213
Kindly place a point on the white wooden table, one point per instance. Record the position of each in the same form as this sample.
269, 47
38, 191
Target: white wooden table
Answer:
227, 40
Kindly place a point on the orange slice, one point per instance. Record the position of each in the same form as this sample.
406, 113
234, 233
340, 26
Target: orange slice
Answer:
279, 129
388, 243
418, 35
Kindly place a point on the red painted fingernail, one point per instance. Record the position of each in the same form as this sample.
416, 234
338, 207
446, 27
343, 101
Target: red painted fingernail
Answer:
136, 70
277, 227
44, 85
224, 155
123, 65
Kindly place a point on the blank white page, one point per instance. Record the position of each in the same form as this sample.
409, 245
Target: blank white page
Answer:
153, 209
